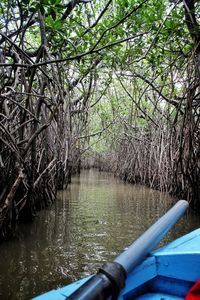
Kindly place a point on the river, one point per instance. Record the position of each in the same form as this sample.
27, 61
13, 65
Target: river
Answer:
94, 219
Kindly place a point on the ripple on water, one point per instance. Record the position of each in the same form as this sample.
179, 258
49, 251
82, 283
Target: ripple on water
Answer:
90, 223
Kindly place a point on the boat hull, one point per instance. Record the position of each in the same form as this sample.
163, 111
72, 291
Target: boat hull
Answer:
168, 273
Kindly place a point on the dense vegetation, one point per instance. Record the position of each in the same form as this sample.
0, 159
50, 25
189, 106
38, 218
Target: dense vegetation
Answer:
115, 82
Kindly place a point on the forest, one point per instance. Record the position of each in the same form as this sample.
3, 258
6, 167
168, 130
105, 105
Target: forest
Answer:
112, 84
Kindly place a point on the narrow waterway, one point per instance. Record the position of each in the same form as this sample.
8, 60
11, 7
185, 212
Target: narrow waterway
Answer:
90, 223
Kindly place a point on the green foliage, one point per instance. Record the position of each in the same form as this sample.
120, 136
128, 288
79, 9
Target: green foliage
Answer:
162, 41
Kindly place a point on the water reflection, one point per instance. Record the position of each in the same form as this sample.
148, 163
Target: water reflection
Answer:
90, 223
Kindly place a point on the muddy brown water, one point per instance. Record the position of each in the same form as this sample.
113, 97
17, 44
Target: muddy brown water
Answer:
90, 223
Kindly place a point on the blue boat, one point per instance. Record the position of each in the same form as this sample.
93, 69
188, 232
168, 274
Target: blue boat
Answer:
165, 274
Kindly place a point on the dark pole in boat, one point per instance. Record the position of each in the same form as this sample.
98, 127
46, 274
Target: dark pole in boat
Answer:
110, 279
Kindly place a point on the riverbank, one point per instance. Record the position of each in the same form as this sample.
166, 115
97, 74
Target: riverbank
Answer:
78, 233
